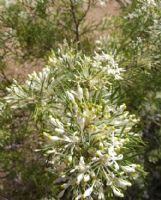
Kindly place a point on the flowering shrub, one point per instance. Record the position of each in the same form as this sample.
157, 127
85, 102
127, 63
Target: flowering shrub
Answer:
75, 106
137, 48
89, 137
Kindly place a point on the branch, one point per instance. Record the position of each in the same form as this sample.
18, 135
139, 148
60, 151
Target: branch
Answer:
76, 23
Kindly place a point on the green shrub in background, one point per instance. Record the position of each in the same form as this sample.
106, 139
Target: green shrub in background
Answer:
137, 47
90, 139
37, 26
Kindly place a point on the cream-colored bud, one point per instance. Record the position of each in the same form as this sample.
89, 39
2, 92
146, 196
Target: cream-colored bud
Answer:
80, 93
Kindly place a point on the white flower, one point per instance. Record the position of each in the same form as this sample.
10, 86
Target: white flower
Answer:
70, 96
52, 138
99, 153
86, 177
129, 168
80, 93
82, 165
88, 192
87, 93
80, 178
103, 57
113, 157
56, 122
123, 183
117, 192
81, 122
59, 130
70, 158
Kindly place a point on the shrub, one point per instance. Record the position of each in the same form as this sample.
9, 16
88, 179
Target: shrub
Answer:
90, 138
137, 48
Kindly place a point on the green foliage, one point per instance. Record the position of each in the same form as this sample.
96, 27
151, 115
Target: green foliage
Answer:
37, 26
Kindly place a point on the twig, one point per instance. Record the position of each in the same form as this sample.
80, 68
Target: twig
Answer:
76, 23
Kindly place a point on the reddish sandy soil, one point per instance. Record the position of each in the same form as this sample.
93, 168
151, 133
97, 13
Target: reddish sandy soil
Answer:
111, 9
20, 71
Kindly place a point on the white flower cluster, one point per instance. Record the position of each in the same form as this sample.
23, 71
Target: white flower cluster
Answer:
8, 3
36, 85
41, 85
155, 29
35, 80
16, 93
89, 138
110, 67
91, 142
143, 7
